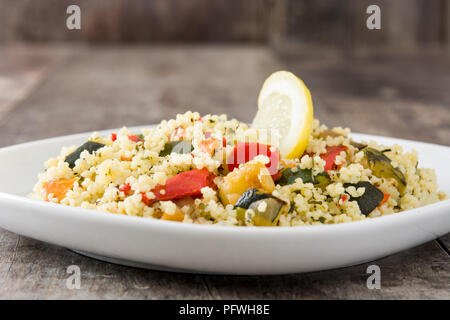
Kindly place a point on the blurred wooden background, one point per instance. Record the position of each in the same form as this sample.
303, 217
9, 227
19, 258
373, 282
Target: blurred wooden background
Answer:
142, 63
405, 23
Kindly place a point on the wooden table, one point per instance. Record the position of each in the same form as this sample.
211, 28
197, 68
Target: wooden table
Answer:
51, 91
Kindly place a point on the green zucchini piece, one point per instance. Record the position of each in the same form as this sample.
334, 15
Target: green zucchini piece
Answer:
90, 146
381, 167
288, 176
167, 148
240, 214
181, 146
321, 180
254, 199
269, 216
250, 196
371, 198
358, 145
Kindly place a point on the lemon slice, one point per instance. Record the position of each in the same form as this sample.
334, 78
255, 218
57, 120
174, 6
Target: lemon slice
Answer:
285, 113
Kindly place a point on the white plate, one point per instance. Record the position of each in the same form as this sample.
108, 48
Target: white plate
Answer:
170, 245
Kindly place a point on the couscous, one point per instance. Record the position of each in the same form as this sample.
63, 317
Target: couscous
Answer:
213, 170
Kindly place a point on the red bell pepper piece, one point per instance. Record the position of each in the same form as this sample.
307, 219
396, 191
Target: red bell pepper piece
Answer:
343, 198
146, 200
330, 156
134, 138
276, 176
245, 151
185, 184
125, 188
113, 136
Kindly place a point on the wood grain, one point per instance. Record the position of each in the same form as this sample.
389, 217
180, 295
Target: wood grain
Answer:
378, 92
84, 89
39, 270
135, 21
405, 23
107, 88
20, 72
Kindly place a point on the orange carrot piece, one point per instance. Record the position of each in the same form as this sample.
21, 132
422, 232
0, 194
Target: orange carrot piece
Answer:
177, 216
58, 187
385, 199
208, 146
286, 165
123, 158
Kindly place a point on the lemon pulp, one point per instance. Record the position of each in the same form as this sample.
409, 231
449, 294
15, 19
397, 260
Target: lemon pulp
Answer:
285, 113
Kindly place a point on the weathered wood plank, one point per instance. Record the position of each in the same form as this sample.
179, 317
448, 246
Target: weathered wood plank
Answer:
39, 270
21, 71
8, 249
445, 242
107, 88
342, 23
135, 21
405, 23
378, 92
419, 273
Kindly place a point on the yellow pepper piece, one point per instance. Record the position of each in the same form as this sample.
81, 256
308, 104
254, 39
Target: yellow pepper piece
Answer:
249, 175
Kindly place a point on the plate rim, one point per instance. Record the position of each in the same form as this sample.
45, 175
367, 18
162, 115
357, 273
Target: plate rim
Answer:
134, 221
